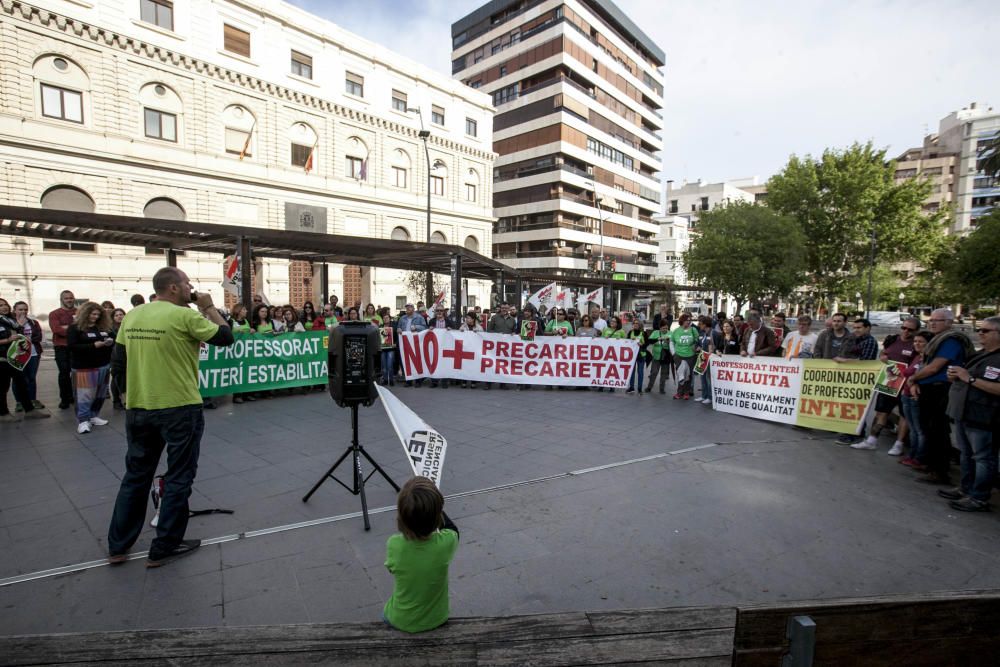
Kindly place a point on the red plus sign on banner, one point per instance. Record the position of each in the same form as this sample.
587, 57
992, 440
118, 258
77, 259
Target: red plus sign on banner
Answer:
457, 354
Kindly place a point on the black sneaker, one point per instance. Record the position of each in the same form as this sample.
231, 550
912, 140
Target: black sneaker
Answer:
847, 439
181, 550
968, 504
63, 405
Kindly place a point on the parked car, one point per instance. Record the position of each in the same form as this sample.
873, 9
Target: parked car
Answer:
886, 318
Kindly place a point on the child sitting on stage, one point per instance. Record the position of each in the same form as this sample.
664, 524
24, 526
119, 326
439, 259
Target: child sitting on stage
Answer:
418, 557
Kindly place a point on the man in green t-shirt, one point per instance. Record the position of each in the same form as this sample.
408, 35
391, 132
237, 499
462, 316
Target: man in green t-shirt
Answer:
157, 351
682, 347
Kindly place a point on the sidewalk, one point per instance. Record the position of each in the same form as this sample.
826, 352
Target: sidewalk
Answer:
758, 512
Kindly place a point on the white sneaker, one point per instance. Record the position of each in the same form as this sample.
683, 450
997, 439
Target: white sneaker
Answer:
897, 449
83, 427
97, 421
864, 445
706, 401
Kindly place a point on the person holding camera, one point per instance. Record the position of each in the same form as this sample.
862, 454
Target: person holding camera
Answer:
90, 340
157, 352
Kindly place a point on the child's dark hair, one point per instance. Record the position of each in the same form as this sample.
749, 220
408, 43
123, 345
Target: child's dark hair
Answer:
419, 509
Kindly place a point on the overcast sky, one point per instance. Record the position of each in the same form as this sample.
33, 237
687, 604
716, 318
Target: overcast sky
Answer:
749, 83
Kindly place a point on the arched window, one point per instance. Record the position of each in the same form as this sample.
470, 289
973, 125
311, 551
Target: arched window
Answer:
400, 234
400, 168
356, 161
161, 111
240, 135
63, 88
67, 198
164, 209
472, 243
304, 142
472, 185
438, 237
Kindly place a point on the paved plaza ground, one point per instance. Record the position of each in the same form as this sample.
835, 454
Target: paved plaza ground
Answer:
718, 509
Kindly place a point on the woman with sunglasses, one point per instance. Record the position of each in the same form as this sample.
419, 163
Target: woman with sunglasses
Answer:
586, 328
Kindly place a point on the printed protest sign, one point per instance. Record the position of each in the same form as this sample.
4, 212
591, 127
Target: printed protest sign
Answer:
425, 448
890, 379
813, 393
256, 362
491, 357
701, 364
528, 329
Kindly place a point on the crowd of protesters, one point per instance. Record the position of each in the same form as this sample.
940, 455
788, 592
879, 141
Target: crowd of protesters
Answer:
952, 385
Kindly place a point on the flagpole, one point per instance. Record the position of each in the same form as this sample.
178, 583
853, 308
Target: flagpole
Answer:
246, 144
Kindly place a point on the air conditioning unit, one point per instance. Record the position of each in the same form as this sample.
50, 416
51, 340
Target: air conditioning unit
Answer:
562, 244
553, 244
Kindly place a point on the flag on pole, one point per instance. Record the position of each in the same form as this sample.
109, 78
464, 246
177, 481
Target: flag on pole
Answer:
231, 276
439, 301
564, 298
424, 447
597, 296
246, 144
543, 296
309, 160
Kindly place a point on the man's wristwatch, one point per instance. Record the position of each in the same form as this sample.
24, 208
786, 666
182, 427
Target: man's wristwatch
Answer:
972, 381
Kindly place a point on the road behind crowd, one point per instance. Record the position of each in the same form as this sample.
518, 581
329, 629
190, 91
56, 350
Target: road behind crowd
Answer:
725, 510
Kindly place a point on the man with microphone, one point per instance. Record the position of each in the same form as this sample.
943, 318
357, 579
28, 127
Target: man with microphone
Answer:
156, 352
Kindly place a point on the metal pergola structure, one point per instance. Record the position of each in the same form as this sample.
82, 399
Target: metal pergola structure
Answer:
174, 236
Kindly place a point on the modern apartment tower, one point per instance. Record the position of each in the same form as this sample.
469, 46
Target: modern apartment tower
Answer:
578, 91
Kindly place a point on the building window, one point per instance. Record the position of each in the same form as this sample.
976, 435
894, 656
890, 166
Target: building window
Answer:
62, 103
400, 234
236, 41
356, 168
302, 65
354, 85
399, 177
673, 205
300, 156
477, 83
161, 125
238, 142
63, 245
158, 12
704, 203
437, 114
471, 127
470, 192
400, 303
399, 101
505, 94
437, 185
503, 70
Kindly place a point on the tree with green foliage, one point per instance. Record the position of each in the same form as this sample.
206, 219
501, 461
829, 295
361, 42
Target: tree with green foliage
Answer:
839, 198
747, 250
974, 266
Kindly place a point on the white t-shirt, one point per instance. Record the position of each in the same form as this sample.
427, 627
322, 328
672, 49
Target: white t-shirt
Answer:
797, 346
600, 324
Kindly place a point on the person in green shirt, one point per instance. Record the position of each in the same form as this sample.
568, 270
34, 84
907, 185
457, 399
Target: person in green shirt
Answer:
614, 329
559, 326
683, 340
418, 557
261, 320
157, 351
662, 361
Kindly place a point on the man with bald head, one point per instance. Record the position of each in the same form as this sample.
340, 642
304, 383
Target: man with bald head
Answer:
930, 384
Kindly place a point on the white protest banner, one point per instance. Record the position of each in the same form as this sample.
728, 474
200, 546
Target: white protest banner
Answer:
491, 357
543, 296
813, 393
425, 448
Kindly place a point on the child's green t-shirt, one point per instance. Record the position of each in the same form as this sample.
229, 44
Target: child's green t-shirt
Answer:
419, 598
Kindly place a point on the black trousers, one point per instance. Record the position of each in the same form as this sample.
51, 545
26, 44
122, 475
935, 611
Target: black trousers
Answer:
65, 385
8, 376
934, 421
148, 432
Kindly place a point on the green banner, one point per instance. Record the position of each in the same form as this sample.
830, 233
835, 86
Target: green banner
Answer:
256, 362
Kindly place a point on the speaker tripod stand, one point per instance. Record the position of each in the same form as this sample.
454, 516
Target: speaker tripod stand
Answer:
355, 451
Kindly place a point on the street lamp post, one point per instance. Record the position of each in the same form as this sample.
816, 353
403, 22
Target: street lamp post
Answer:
424, 135
901, 297
600, 218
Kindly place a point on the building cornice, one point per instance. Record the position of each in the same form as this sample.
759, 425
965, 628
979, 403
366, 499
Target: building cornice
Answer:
82, 30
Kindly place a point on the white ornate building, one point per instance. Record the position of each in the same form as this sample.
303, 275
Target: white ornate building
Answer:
245, 113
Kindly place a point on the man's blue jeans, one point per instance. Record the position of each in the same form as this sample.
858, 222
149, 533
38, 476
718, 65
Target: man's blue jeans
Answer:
148, 432
388, 367
979, 460
911, 412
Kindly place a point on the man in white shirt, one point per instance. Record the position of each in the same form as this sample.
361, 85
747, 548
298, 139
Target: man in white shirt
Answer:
598, 322
801, 343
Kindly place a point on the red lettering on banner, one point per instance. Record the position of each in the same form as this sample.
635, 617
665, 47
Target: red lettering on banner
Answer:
613, 373
457, 354
582, 352
431, 349
611, 354
546, 369
545, 352
626, 355
531, 368
762, 378
502, 367
725, 376
584, 370
487, 345
516, 349
503, 349
412, 362
596, 353
516, 367
562, 369
485, 363
832, 409
559, 351
531, 351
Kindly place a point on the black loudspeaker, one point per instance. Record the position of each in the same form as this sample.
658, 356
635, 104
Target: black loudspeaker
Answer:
353, 351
